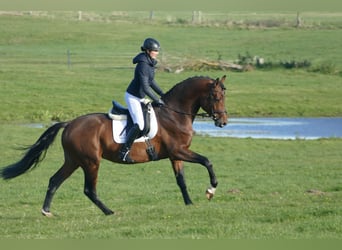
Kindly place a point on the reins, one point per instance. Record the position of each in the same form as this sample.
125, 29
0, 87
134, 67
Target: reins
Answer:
185, 113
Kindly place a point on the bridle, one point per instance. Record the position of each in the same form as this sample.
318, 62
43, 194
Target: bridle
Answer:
212, 100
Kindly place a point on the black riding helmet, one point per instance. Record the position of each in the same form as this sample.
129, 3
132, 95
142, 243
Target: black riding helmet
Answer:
150, 44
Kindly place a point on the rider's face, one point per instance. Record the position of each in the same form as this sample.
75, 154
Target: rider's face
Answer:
153, 54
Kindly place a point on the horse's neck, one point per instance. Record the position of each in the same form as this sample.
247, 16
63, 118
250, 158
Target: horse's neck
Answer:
184, 105
185, 99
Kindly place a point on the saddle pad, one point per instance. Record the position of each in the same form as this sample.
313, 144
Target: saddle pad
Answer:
119, 125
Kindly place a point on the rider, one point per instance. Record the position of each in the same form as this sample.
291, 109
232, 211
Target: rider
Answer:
142, 84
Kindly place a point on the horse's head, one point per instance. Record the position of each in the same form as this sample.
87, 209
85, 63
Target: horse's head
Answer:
214, 103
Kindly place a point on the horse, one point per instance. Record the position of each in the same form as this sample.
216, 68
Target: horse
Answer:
87, 139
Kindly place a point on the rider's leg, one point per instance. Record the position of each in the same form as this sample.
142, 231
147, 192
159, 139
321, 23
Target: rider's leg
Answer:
131, 136
135, 110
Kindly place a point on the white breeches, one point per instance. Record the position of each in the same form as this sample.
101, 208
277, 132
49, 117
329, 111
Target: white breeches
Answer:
134, 108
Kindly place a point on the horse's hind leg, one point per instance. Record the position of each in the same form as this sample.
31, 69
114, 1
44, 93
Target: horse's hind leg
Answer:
90, 180
55, 181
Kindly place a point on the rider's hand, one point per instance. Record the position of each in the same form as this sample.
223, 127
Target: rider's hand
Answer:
160, 103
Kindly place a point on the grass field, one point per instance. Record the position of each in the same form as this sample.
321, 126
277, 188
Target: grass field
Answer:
268, 189
34, 53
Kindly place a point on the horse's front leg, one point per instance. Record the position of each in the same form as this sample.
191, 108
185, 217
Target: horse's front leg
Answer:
213, 181
189, 156
179, 173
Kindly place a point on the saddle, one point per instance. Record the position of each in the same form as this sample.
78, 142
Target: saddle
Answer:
122, 123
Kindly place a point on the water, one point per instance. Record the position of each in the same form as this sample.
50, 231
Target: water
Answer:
274, 128
267, 128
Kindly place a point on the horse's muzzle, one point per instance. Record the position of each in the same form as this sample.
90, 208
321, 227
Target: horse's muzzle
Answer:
222, 120
220, 124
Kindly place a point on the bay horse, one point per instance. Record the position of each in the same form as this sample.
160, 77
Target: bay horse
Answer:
88, 138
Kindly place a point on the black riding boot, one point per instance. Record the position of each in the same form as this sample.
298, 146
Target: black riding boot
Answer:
131, 136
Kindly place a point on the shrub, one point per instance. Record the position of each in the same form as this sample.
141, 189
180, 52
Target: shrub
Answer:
295, 64
325, 68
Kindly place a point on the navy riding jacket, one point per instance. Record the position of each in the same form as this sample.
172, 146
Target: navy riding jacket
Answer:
143, 79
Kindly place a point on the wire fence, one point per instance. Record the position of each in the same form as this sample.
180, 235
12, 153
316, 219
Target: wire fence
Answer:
196, 17
79, 58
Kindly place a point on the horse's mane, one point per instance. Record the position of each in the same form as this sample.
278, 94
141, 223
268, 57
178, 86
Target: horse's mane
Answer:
186, 81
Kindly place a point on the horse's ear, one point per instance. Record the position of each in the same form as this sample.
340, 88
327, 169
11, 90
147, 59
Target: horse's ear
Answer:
223, 78
217, 81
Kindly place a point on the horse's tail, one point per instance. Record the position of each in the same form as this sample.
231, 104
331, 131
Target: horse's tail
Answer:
34, 154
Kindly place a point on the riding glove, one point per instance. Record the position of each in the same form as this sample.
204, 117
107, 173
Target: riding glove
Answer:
160, 103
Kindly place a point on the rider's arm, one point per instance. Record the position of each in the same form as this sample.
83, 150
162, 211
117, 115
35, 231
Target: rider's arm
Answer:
143, 77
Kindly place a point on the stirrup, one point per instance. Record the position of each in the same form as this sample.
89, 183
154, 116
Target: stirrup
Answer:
124, 155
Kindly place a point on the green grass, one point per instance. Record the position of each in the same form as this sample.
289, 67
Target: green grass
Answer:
38, 85
263, 184
262, 194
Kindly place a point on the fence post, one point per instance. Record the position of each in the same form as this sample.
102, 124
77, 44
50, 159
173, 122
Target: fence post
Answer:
151, 15
196, 17
199, 16
68, 59
298, 21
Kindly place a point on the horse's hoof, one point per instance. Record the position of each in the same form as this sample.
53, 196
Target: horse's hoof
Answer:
110, 212
209, 195
45, 213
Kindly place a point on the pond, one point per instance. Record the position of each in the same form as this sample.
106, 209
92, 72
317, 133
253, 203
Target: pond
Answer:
267, 128
273, 128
